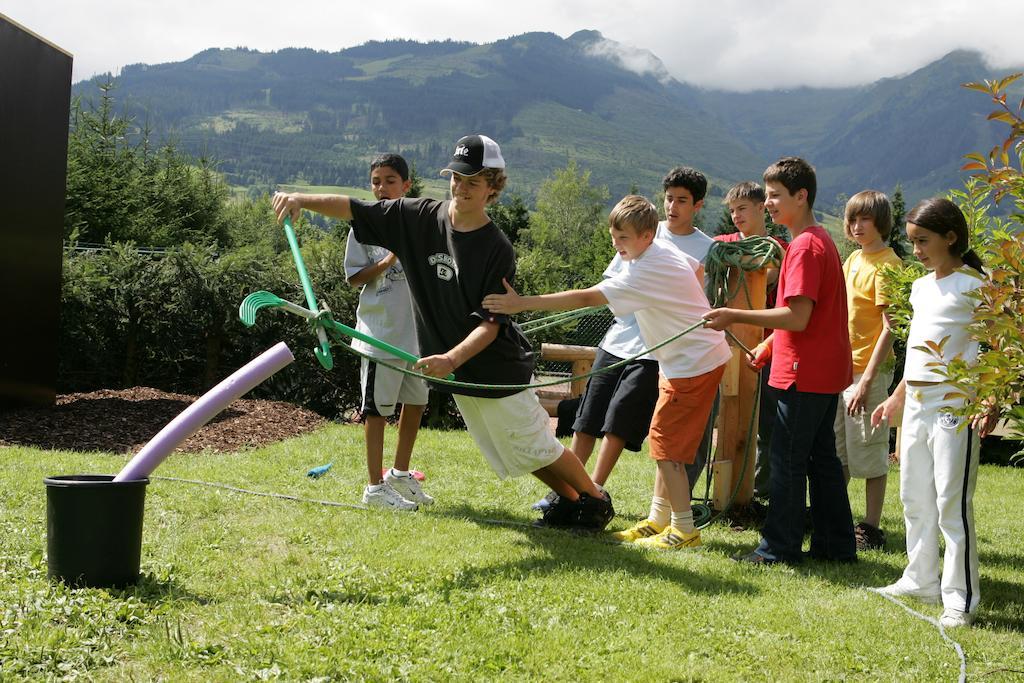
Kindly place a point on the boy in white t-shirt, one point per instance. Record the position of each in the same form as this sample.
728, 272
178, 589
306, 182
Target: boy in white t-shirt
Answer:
660, 285
385, 312
685, 189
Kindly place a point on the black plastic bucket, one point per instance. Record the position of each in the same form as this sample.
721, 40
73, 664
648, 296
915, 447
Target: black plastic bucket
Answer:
94, 529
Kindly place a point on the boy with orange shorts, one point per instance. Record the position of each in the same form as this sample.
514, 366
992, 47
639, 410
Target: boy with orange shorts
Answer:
661, 286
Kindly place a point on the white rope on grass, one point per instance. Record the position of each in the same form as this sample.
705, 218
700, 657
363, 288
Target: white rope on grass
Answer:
282, 496
315, 501
934, 622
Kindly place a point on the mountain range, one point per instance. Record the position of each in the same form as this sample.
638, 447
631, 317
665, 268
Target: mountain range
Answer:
316, 117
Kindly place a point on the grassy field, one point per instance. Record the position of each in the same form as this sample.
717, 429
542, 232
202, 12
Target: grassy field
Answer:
240, 587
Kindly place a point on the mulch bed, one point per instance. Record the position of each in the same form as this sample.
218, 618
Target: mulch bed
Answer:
123, 421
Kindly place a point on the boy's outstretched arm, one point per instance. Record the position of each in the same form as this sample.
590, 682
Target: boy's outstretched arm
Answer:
292, 203
794, 316
510, 302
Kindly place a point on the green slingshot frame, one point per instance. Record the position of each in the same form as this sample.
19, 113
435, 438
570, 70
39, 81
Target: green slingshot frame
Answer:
320, 317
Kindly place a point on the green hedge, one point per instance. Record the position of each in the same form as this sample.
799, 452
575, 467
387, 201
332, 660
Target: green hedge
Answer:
170, 320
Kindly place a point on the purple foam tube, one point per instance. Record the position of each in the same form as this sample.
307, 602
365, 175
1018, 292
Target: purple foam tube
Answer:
190, 420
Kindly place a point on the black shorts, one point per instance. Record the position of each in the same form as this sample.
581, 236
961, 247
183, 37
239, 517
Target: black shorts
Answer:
620, 401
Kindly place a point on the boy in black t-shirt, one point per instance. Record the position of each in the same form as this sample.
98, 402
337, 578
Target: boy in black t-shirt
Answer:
453, 257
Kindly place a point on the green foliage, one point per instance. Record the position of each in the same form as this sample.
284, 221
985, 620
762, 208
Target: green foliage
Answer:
170, 320
898, 235
724, 226
511, 215
120, 189
896, 282
168, 317
998, 376
567, 245
415, 184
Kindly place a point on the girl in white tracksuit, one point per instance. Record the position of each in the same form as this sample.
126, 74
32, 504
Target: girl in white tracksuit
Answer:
939, 456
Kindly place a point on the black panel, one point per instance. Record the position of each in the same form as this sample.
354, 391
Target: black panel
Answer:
35, 87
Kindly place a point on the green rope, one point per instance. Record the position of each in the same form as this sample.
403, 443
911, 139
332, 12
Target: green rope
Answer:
538, 324
514, 387
749, 253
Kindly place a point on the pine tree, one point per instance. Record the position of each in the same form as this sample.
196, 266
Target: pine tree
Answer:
898, 235
415, 184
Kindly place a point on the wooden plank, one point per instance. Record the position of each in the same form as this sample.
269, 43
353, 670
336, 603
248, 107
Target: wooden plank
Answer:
731, 379
579, 368
721, 474
567, 352
739, 387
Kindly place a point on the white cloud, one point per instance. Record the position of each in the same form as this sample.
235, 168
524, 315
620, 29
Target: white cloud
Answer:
733, 44
633, 59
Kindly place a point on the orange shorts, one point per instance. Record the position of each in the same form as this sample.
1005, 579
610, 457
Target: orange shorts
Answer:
684, 406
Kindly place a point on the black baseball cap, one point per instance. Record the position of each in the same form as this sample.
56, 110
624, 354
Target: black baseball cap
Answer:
474, 153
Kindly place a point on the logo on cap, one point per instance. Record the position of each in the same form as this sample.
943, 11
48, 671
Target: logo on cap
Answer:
461, 151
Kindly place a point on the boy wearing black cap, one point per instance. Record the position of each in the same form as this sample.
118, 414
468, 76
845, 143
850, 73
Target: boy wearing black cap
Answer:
453, 257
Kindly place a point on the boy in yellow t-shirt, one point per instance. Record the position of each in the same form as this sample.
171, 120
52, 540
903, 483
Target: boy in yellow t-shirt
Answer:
863, 450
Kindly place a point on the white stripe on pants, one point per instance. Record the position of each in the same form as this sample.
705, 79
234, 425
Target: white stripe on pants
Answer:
938, 473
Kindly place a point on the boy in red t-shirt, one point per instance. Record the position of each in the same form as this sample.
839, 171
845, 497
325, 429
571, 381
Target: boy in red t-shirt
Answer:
811, 366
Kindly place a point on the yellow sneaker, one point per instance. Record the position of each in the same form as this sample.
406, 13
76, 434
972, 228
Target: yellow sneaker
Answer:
672, 538
644, 529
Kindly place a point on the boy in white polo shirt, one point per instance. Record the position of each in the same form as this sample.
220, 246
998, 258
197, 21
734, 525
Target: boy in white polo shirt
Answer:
660, 285
385, 312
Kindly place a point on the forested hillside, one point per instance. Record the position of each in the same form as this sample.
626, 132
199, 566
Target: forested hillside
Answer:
316, 117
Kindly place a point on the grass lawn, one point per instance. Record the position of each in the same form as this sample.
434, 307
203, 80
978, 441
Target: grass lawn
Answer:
239, 587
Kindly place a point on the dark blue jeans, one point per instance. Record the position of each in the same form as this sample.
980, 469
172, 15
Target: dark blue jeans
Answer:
803, 454
765, 425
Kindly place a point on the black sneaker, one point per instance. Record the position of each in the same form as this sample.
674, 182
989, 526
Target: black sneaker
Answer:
561, 514
869, 537
545, 502
595, 513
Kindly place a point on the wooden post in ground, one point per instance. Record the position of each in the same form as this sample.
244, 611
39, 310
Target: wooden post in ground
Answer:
739, 389
582, 359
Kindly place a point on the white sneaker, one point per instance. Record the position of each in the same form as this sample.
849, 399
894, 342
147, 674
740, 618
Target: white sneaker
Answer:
387, 497
408, 487
898, 590
954, 618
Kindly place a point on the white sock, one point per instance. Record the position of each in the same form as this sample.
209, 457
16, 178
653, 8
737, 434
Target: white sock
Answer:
399, 473
373, 488
661, 511
683, 521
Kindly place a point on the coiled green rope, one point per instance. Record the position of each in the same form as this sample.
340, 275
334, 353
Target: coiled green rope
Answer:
749, 253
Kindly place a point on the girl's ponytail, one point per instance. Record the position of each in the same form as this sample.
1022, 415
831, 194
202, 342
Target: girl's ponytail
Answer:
973, 260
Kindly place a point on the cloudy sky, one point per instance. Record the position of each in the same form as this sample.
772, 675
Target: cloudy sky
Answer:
731, 44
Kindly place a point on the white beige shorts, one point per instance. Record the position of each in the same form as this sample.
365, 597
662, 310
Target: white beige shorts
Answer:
862, 449
384, 388
513, 433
